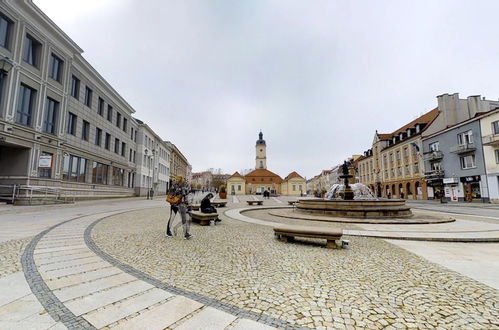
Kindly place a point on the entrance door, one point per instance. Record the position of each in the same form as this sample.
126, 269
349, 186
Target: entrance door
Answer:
468, 192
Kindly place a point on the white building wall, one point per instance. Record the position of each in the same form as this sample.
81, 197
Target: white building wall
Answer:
489, 153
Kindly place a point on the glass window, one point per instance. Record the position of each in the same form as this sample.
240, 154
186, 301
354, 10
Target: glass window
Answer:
116, 145
100, 108
98, 136
118, 176
109, 112
294, 187
52, 108
125, 124
118, 119
72, 120
497, 155
31, 50
55, 70
495, 127
107, 143
465, 138
123, 149
75, 87
468, 162
99, 173
85, 131
25, 105
434, 146
88, 97
5, 28
74, 168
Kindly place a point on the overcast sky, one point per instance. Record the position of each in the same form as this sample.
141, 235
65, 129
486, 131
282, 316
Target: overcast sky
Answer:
318, 77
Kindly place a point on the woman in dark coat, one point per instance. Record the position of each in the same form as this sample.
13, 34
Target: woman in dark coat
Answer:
206, 206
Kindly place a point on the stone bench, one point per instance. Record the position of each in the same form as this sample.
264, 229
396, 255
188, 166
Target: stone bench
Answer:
254, 202
219, 204
203, 218
287, 233
292, 202
195, 207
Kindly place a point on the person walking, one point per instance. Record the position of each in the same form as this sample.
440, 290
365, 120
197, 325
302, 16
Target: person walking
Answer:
179, 203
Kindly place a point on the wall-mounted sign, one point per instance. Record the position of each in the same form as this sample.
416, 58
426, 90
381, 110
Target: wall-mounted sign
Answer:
45, 161
450, 180
470, 179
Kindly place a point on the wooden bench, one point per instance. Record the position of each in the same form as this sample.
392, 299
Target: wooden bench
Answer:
203, 218
254, 202
287, 233
219, 204
292, 202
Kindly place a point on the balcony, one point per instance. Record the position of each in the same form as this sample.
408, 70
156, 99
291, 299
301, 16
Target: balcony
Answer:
433, 155
463, 148
434, 175
491, 140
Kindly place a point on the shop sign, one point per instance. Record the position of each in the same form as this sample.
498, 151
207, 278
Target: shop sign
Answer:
470, 179
449, 180
45, 161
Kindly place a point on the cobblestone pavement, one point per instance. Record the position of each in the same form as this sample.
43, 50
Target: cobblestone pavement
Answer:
10, 255
69, 283
374, 284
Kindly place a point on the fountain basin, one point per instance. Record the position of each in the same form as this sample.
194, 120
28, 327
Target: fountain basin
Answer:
380, 208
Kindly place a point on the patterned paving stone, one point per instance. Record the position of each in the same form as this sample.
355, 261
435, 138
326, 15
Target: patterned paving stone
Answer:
373, 284
208, 319
162, 316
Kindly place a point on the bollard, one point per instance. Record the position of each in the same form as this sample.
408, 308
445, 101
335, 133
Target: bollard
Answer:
345, 244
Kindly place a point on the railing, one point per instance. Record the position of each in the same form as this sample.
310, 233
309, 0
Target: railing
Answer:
433, 155
492, 139
462, 148
47, 193
8, 192
434, 175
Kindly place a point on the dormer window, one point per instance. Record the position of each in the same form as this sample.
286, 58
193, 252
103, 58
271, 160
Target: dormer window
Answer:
418, 128
408, 132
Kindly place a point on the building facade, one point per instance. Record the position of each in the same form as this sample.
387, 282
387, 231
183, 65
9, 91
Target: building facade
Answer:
489, 126
153, 162
455, 160
62, 125
63, 128
459, 164
180, 169
393, 167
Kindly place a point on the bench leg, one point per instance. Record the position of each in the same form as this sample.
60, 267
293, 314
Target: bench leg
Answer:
331, 244
288, 239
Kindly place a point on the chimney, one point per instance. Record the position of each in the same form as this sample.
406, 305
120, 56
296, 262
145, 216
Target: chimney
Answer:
448, 105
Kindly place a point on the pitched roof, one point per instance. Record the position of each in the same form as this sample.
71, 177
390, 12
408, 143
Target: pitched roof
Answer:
264, 174
293, 175
236, 175
424, 119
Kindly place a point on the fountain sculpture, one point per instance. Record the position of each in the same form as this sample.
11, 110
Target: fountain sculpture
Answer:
354, 201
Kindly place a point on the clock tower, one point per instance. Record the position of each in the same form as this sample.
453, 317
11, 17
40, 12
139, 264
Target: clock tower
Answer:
261, 152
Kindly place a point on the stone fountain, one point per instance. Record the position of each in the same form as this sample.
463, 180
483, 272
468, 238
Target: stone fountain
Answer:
354, 201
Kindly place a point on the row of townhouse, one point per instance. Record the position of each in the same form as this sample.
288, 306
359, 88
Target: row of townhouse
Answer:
321, 183
62, 125
450, 152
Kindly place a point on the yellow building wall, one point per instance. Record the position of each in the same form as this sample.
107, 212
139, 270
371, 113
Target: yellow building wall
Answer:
258, 186
236, 186
287, 187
